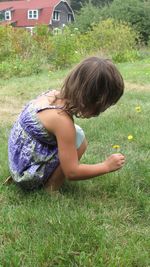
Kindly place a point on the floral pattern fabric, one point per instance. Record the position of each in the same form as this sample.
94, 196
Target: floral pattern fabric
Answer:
32, 150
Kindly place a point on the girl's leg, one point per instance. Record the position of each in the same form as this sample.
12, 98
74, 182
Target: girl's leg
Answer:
56, 180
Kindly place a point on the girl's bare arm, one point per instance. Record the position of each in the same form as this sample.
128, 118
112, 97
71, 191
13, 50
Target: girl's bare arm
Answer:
62, 126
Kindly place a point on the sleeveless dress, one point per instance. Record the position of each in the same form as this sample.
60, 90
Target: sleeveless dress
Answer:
32, 150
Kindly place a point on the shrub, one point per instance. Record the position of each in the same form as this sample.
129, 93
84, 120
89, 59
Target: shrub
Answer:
135, 12
6, 49
65, 48
87, 16
20, 53
111, 38
19, 67
78, 4
44, 38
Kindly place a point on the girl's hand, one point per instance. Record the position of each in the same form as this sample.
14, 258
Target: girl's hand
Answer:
114, 162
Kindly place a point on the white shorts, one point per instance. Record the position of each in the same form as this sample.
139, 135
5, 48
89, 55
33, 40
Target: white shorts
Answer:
80, 136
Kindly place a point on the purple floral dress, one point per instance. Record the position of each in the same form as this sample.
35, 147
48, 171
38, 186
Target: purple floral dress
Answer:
32, 150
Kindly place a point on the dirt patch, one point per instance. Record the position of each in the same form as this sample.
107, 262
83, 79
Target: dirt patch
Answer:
136, 87
10, 107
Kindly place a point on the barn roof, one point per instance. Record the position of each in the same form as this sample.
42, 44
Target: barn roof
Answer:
19, 11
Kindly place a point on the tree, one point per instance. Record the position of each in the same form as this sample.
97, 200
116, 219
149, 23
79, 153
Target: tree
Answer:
101, 2
86, 17
135, 12
78, 4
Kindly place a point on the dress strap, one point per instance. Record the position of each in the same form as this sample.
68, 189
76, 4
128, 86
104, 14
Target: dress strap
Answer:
38, 109
44, 102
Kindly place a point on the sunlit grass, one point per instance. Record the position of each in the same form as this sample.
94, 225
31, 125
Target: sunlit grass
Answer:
138, 72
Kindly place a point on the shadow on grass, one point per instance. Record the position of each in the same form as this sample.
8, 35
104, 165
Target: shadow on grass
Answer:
78, 191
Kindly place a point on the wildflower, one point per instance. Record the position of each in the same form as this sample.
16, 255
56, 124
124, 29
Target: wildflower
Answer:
138, 109
49, 73
130, 137
116, 146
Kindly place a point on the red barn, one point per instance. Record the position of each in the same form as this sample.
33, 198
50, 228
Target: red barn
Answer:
29, 13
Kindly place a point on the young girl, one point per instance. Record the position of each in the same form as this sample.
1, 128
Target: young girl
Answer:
45, 145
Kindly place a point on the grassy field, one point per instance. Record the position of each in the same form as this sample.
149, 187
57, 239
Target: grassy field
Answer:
103, 222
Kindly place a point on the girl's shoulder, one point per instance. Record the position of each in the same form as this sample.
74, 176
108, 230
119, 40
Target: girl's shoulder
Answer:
48, 100
50, 111
53, 119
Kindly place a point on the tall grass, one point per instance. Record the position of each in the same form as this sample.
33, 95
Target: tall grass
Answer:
103, 222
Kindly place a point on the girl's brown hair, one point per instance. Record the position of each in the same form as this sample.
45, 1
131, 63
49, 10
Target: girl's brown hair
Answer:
91, 87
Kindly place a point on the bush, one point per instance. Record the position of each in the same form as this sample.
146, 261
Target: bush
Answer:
19, 67
111, 38
87, 16
6, 49
44, 38
65, 49
126, 56
20, 53
135, 12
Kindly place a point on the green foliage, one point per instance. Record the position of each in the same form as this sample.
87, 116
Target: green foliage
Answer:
19, 67
101, 2
111, 38
23, 54
6, 44
126, 56
44, 39
78, 4
42, 30
135, 12
65, 48
87, 16
20, 53
15, 41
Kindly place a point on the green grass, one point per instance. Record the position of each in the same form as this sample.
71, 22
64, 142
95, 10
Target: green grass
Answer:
139, 72
102, 222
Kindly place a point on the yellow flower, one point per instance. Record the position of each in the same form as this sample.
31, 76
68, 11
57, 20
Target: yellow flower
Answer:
130, 137
116, 146
138, 109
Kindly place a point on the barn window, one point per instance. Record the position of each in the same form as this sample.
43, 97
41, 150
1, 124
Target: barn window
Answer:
56, 15
69, 17
8, 15
33, 14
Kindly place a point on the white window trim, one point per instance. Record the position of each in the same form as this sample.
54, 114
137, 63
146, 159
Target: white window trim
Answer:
56, 17
8, 14
69, 17
57, 31
32, 12
31, 29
